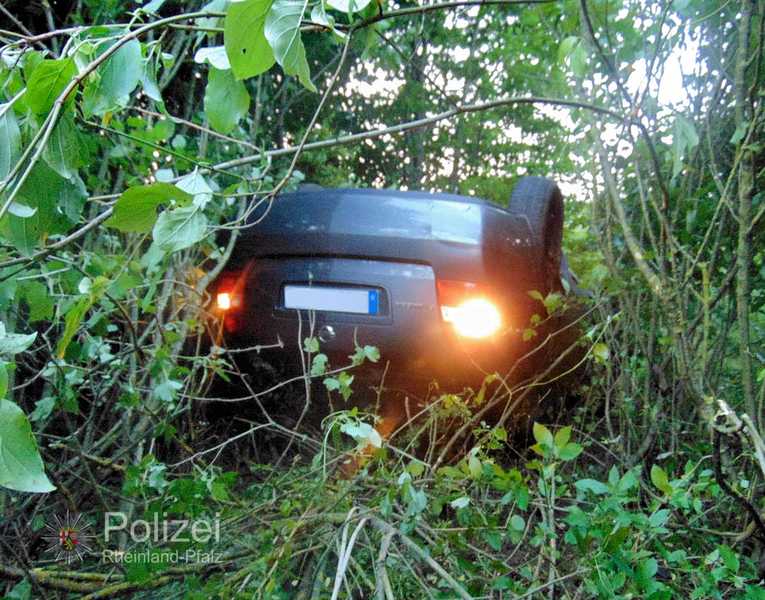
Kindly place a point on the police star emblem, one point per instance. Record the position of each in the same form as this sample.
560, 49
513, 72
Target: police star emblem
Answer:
69, 537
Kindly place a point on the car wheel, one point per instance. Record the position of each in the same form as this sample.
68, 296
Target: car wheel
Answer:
539, 201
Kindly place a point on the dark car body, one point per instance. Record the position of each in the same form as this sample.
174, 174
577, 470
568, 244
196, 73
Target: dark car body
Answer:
403, 249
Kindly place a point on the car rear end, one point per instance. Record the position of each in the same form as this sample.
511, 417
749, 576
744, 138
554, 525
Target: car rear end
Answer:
437, 282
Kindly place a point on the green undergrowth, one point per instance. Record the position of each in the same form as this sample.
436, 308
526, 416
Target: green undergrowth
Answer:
565, 516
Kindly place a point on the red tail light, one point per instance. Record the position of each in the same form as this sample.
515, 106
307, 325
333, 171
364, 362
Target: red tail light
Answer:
468, 309
223, 300
229, 297
229, 293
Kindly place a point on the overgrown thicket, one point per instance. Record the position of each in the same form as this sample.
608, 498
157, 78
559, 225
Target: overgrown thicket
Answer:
136, 139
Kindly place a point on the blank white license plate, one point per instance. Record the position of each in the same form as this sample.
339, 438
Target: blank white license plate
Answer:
348, 300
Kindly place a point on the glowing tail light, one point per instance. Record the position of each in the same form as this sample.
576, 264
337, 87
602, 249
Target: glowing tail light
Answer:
468, 310
230, 292
230, 297
224, 300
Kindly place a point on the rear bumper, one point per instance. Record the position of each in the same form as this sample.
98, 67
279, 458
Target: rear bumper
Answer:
408, 329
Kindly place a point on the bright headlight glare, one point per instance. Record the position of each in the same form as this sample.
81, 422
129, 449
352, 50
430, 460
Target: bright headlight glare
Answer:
475, 318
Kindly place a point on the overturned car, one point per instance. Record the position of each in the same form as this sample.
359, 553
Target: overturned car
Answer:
447, 287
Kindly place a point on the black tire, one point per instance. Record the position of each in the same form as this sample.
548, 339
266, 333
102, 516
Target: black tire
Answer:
539, 201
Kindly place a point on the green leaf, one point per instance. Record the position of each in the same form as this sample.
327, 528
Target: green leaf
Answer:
740, 133
248, 49
537, 295
46, 83
214, 56
562, 436
552, 302
627, 482
21, 467
136, 209
58, 202
14, 343
616, 539
566, 47
74, 316
730, 559
570, 451
226, 100
579, 60
4, 366
21, 210
345, 385
64, 152
493, 538
38, 299
179, 228
348, 6
167, 390
149, 82
319, 365
415, 468
332, 384
118, 77
196, 185
645, 571
363, 433
600, 352
591, 485
658, 518
283, 33
660, 480
10, 140
311, 345
460, 502
543, 435
43, 409
319, 16
474, 466
21, 591
613, 476
371, 353
517, 523
72, 320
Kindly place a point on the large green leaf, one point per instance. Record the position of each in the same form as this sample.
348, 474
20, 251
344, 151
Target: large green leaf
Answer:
10, 140
21, 467
46, 83
248, 50
118, 77
283, 33
226, 100
180, 228
57, 202
136, 209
